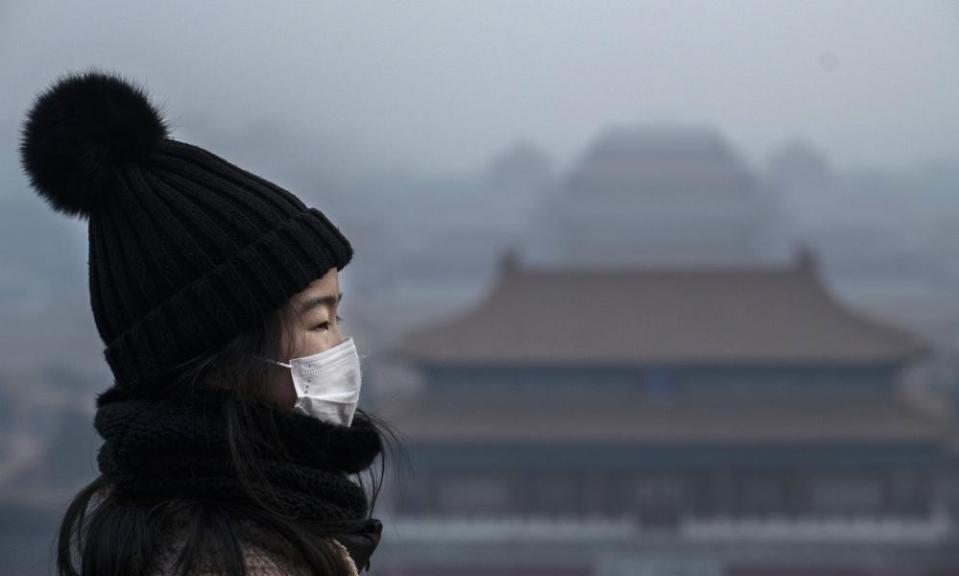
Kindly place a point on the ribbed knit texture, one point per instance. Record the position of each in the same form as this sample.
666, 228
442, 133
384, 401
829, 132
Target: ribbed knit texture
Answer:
193, 250
169, 448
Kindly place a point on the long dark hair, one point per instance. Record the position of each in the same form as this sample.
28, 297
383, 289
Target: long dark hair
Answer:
104, 535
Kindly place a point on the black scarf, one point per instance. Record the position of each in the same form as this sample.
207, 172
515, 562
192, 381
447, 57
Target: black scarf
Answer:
166, 447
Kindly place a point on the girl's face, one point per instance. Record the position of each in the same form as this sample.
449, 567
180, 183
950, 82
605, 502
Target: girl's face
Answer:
313, 329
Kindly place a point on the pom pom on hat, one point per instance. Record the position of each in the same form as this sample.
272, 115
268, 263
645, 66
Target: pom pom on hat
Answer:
80, 131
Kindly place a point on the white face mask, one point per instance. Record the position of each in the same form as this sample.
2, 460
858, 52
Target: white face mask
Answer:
328, 383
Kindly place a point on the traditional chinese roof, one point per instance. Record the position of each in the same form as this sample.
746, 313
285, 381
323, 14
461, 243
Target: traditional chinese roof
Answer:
704, 316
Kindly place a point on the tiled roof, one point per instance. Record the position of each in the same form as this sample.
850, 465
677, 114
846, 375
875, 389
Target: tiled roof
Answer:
660, 316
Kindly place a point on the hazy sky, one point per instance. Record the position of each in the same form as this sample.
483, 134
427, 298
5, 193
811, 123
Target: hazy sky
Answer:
440, 86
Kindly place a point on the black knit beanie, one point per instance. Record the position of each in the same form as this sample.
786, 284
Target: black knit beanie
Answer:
186, 249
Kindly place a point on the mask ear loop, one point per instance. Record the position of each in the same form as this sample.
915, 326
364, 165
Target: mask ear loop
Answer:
362, 356
271, 361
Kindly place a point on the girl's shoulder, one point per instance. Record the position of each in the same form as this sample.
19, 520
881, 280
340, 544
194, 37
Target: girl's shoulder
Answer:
264, 554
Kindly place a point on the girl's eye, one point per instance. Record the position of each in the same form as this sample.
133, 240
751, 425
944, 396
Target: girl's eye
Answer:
326, 325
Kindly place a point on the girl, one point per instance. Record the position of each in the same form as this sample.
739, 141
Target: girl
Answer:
232, 441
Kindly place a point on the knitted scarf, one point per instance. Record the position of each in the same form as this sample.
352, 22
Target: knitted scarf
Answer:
179, 448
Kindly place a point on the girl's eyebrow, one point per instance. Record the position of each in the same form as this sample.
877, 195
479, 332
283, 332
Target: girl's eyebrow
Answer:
328, 301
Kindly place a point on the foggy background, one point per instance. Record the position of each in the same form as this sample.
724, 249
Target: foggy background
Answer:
440, 136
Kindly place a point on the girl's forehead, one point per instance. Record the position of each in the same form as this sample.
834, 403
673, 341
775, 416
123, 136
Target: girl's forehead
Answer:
324, 290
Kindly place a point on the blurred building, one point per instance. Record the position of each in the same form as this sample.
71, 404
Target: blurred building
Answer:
725, 420
652, 195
